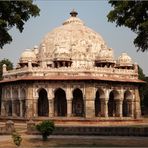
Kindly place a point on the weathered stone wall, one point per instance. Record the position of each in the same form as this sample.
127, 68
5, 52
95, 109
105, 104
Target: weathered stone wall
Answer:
106, 131
8, 128
98, 131
88, 89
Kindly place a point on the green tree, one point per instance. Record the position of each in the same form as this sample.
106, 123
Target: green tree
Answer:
15, 13
45, 128
134, 15
145, 98
143, 90
141, 75
8, 64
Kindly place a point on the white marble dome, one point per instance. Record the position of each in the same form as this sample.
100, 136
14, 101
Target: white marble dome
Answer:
73, 40
124, 60
105, 55
27, 55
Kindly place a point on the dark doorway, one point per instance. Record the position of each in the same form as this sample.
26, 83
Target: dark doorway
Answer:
43, 105
125, 108
60, 103
111, 105
97, 104
77, 103
126, 104
17, 107
9, 108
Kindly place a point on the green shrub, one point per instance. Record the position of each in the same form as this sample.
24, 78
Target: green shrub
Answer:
16, 139
45, 128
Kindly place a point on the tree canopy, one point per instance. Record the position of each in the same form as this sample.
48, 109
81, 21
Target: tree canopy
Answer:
15, 13
145, 98
143, 89
8, 64
134, 15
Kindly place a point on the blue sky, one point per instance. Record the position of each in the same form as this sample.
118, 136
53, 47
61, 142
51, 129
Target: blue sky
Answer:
92, 12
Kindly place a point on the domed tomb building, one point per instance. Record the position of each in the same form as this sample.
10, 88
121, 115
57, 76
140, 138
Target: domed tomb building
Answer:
73, 73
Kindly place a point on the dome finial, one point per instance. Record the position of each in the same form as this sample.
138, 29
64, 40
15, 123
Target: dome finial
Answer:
73, 13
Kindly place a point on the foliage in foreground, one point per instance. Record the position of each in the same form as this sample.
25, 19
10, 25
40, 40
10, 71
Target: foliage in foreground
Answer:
45, 128
143, 90
17, 139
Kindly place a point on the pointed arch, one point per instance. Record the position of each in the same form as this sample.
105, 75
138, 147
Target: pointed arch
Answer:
16, 102
113, 96
78, 103
99, 95
128, 97
43, 104
60, 103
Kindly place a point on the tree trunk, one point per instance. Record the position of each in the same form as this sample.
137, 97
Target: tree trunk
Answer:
45, 137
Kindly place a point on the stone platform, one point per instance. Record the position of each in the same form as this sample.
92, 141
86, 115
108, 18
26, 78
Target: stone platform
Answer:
102, 131
76, 121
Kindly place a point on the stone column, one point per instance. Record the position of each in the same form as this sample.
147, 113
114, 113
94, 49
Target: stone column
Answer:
89, 108
6, 107
13, 108
89, 105
51, 107
119, 108
131, 109
137, 109
35, 108
69, 100
21, 108
29, 109
69, 108
104, 107
3, 110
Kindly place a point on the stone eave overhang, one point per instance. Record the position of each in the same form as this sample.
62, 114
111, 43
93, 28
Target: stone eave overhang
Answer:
71, 78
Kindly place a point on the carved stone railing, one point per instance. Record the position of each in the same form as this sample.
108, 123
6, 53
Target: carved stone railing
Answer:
94, 71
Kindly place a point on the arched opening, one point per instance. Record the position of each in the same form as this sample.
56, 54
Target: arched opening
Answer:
60, 103
9, 108
9, 102
97, 104
23, 99
127, 102
16, 103
99, 110
111, 105
77, 103
125, 107
43, 105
